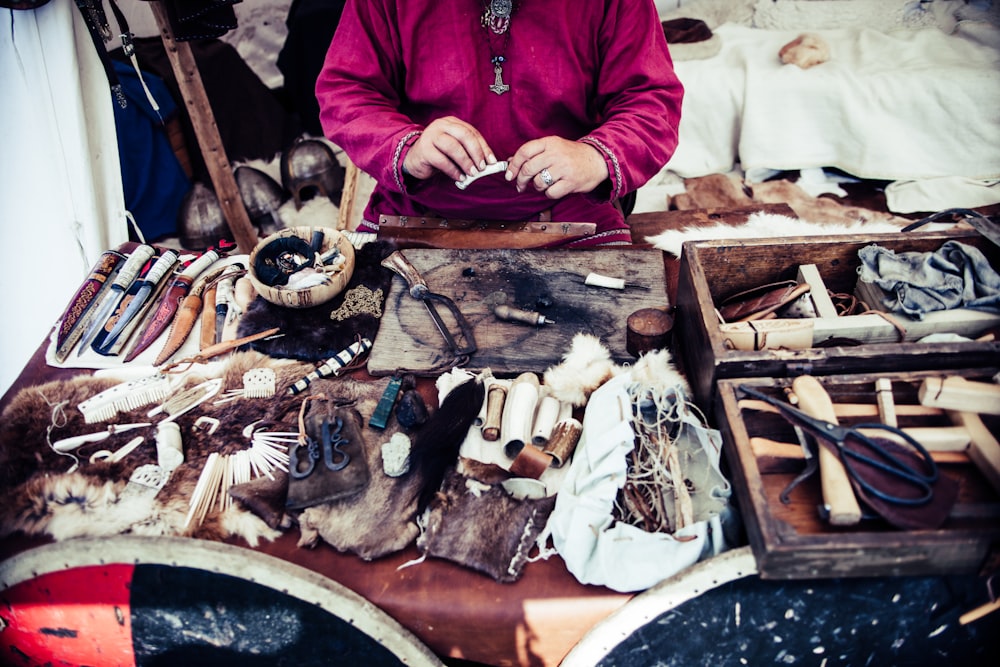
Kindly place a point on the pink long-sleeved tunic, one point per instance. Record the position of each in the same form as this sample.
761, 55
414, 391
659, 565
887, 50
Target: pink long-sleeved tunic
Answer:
596, 71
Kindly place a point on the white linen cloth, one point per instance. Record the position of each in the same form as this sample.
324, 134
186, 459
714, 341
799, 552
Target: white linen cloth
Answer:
900, 105
596, 548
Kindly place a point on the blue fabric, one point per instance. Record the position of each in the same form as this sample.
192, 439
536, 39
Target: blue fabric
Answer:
152, 177
955, 276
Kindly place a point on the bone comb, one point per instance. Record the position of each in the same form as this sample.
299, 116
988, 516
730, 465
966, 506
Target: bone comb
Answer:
125, 396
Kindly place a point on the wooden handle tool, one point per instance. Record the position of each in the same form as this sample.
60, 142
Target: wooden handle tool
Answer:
838, 495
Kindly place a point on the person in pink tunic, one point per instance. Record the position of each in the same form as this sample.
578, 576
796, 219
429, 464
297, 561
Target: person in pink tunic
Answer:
579, 97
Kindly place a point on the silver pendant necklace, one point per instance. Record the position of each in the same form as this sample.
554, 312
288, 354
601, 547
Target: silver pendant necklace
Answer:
496, 21
498, 87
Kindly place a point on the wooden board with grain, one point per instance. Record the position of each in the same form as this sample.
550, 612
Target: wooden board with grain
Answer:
476, 280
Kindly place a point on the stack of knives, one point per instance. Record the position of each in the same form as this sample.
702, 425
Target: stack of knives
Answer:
131, 296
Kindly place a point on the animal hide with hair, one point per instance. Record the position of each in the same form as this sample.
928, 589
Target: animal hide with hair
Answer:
821, 210
483, 527
382, 518
41, 494
437, 444
38, 496
758, 226
310, 334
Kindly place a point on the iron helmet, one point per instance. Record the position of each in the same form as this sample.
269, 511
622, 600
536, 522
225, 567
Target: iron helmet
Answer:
262, 196
309, 166
200, 220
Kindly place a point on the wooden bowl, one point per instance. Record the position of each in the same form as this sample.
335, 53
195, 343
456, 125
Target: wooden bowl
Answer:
334, 283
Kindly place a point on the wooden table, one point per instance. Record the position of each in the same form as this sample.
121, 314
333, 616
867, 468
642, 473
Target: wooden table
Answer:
456, 612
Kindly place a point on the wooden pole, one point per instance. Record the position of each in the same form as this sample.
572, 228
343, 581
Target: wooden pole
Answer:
347, 197
207, 132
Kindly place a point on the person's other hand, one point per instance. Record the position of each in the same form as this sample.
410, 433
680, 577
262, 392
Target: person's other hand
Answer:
557, 167
449, 145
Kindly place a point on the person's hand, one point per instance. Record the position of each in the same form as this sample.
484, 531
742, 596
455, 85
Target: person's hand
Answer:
557, 167
451, 146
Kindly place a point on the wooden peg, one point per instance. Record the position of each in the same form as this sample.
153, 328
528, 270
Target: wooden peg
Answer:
957, 393
886, 404
984, 449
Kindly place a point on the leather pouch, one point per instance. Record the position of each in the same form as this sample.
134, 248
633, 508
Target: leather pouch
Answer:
768, 335
761, 302
332, 466
265, 497
482, 527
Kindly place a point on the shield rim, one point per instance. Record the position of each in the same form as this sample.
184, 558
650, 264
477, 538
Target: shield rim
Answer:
225, 559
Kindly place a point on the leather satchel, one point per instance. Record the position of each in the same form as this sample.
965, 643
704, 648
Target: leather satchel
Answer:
761, 302
482, 527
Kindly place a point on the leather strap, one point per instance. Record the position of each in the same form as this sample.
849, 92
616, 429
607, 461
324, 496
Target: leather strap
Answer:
543, 225
447, 233
530, 462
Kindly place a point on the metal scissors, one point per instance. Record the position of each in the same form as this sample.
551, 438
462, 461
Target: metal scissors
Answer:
884, 460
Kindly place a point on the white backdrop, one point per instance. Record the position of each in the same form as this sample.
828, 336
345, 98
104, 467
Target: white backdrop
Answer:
61, 201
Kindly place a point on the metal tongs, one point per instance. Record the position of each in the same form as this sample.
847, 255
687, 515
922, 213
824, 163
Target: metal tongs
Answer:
398, 264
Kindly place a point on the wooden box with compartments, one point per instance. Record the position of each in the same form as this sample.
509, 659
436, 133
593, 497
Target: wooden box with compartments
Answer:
916, 519
825, 341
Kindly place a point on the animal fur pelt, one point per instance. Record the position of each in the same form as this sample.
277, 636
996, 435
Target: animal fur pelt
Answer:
690, 39
761, 225
820, 210
807, 50
310, 334
483, 527
436, 446
42, 493
382, 518
725, 191
585, 367
711, 191
656, 371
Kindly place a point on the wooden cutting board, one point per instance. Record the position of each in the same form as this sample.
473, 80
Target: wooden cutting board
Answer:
546, 281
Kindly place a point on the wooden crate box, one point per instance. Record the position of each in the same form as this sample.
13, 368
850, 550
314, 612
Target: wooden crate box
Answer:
712, 270
792, 541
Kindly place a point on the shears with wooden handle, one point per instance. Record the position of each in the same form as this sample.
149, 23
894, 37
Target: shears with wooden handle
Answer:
838, 494
899, 481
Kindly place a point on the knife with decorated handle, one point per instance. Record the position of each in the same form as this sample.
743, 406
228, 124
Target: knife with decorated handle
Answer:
186, 317
212, 305
126, 276
137, 297
143, 318
82, 307
168, 306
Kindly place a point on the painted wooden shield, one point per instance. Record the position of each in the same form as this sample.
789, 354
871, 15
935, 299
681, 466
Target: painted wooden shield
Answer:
720, 613
170, 601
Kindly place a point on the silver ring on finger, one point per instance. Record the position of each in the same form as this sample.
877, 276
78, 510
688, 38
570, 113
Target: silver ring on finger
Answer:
546, 177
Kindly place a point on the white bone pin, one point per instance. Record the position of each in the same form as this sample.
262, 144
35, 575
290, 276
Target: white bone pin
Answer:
494, 168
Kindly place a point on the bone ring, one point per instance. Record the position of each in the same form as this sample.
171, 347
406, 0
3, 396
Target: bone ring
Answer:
546, 177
